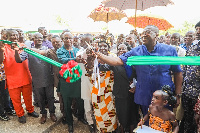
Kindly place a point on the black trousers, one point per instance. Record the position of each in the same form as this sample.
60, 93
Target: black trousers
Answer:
68, 111
5, 101
43, 94
35, 97
127, 111
188, 124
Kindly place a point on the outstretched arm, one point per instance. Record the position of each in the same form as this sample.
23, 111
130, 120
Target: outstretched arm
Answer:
42, 52
146, 117
110, 60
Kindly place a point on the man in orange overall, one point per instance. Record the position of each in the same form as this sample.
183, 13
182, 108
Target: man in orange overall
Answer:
19, 79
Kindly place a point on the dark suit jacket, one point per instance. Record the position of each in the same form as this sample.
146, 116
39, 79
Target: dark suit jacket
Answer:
121, 81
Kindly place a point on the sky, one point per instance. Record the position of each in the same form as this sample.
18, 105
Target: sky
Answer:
29, 15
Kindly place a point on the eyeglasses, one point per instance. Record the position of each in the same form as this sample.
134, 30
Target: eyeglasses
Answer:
147, 32
66, 38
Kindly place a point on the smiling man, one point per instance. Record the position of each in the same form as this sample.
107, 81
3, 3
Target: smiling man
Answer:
188, 40
150, 77
42, 79
45, 41
18, 78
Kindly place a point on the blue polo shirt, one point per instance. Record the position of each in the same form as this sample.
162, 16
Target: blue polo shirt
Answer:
152, 77
64, 55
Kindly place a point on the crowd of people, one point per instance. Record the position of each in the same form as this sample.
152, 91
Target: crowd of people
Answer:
110, 96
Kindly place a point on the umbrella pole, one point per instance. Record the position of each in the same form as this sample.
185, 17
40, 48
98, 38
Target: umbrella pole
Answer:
107, 21
135, 12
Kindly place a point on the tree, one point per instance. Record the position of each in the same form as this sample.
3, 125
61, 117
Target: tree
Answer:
62, 21
185, 27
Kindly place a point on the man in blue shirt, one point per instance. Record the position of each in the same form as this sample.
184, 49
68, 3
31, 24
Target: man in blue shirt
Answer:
150, 77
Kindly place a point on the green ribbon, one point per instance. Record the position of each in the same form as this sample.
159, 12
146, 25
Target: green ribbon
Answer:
48, 60
44, 58
163, 60
8, 42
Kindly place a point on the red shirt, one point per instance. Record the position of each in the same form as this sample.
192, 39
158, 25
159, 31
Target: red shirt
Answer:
17, 74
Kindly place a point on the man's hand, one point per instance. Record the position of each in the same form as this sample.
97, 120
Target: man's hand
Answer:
14, 46
90, 55
135, 32
178, 101
80, 60
132, 90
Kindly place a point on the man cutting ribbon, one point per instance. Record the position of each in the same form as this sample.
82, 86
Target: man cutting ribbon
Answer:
150, 77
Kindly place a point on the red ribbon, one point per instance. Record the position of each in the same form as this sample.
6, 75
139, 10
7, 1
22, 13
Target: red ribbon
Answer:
69, 67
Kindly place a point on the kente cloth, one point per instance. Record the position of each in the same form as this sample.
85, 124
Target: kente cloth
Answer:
103, 103
157, 123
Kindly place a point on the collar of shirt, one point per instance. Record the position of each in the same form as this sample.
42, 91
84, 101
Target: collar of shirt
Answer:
64, 50
155, 48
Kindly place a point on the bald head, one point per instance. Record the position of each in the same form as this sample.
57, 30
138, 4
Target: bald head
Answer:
38, 38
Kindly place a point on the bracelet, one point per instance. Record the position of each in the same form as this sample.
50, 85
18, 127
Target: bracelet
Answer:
142, 120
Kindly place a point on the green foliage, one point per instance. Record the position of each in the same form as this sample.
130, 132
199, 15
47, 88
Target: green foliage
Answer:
104, 28
185, 27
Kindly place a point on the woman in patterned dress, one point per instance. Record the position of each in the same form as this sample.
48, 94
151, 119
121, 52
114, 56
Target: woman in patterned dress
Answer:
102, 98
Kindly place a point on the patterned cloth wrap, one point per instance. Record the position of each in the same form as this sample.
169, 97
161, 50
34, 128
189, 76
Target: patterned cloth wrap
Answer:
159, 124
103, 103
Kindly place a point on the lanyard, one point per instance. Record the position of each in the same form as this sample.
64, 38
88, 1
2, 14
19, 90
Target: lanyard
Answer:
70, 54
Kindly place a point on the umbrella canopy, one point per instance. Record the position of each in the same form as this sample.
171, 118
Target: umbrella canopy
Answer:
106, 14
135, 4
143, 20
132, 4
